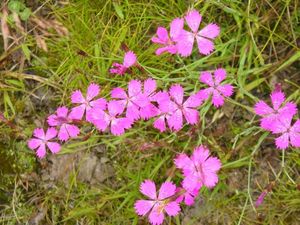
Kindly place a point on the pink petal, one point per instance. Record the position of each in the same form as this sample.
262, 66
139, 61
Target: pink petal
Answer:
142, 207
211, 179
160, 123
191, 182
115, 107
132, 112
172, 49
205, 93
119, 125
41, 151
134, 88
161, 96
200, 154
176, 91
149, 111
226, 89
193, 101
33, 143
185, 43
206, 77
149, 86
92, 91
289, 109
191, 115
52, 120
51, 133
176, 28
172, 208
281, 125
129, 59
99, 103
210, 31
261, 108
260, 199
175, 120
72, 130
63, 134
220, 75
156, 217
118, 93
217, 99
193, 19
100, 119
39, 133
296, 127
166, 190
212, 164
62, 112
77, 112
270, 123
282, 142
182, 161
54, 147
162, 36
148, 189
205, 46
277, 98
295, 139
77, 97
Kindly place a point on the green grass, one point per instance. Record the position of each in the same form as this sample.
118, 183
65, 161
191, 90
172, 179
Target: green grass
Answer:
257, 46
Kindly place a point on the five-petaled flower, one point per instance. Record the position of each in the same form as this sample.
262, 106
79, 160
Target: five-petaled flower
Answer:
216, 89
169, 42
157, 205
279, 109
121, 69
41, 140
203, 37
199, 170
102, 120
86, 103
62, 120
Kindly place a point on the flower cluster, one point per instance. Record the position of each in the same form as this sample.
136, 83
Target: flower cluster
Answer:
278, 119
182, 41
198, 170
141, 100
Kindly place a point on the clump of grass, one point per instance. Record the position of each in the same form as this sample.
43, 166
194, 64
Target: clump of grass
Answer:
258, 47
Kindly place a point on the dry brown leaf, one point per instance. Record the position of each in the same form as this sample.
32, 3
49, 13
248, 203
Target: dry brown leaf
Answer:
40, 41
40, 22
18, 22
4, 28
60, 29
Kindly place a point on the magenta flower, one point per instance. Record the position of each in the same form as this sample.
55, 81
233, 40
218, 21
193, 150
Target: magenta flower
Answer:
187, 196
157, 205
279, 109
102, 120
120, 69
168, 42
131, 101
199, 170
148, 109
217, 90
260, 198
203, 37
290, 134
41, 140
62, 120
86, 104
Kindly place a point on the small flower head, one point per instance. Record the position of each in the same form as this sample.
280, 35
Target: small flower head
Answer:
40, 140
279, 109
121, 69
157, 205
86, 104
203, 37
63, 121
199, 170
216, 89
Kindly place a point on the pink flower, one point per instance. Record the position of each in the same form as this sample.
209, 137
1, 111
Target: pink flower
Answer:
260, 198
62, 120
169, 43
131, 101
199, 170
129, 60
157, 205
148, 110
186, 109
41, 140
203, 37
102, 120
279, 109
187, 196
290, 134
86, 104
217, 90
